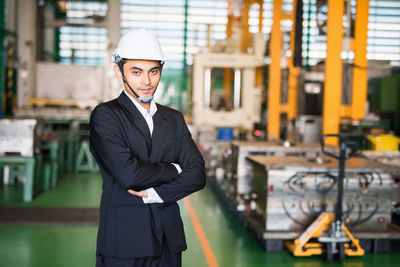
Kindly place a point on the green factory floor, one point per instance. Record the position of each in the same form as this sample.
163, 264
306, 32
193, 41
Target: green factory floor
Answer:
23, 245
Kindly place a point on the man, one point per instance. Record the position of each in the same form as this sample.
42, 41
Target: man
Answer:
140, 147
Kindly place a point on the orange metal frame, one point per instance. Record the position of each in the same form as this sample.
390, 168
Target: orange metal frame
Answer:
333, 109
360, 78
243, 21
333, 69
274, 83
275, 107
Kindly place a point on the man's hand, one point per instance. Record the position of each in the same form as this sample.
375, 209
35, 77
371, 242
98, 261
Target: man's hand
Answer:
142, 193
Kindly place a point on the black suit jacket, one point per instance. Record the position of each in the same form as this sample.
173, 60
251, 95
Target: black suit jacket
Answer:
128, 157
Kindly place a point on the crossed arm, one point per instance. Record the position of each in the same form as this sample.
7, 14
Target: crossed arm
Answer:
137, 176
112, 154
190, 179
149, 193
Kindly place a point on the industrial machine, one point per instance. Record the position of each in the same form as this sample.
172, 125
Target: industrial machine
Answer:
79, 86
19, 136
19, 142
237, 105
239, 178
294, 191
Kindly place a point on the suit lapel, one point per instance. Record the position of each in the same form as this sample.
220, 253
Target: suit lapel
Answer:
136, 118
141, 124
160, 123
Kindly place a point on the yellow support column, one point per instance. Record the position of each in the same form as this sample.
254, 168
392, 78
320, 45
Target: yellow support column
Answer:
245, 40
260, 15
292, 92
359, 96
260, 70
230, 20
227, 71
293, 71
274, 83
333, 69
228, 79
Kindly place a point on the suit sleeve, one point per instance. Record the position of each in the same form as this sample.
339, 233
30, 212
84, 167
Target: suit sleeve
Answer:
192, 178
110, 151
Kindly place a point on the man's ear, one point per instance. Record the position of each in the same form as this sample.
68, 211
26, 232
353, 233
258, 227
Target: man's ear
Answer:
117, 72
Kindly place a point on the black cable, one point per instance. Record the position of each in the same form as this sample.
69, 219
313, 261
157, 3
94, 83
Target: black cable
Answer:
297, 178
311, 209
290, 217
370, 174
303, 211
359, 215
369, 216
323, 206
288, 181
348, 211
331, 177
315, 212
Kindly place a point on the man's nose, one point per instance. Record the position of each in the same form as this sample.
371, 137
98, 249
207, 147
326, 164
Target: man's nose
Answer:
146, 79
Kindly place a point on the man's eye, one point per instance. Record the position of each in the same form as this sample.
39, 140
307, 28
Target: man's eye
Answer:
154, 71
135, 72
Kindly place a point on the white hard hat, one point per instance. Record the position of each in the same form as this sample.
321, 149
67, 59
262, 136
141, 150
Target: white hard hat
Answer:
138, 44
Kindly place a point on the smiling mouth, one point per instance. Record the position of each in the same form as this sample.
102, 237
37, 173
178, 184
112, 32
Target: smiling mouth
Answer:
145, 90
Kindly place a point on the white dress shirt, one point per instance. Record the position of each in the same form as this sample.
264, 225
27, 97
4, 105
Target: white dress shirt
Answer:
152, 196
